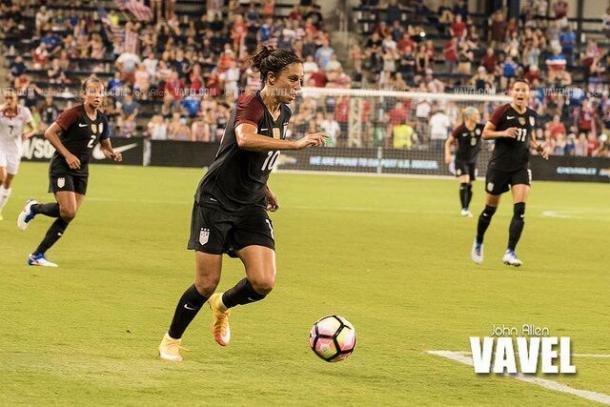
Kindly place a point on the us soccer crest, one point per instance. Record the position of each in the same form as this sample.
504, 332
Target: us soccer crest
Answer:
61, 182
532, 121
478, 131
522, 121
204, 236
94, 128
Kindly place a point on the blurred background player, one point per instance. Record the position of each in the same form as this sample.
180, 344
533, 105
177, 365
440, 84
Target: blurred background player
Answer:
73, 134
15, 126
232, 200
467, 139
512, 127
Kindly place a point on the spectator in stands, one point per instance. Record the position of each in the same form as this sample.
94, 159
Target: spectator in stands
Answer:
157, 128
450, 54
332, 129
324, 54
17, 68
498, 26
141, 82
439, 127
592, 144
129, 108
48, 112
606, 23
581, 145
42, 20
567, 40
127, 63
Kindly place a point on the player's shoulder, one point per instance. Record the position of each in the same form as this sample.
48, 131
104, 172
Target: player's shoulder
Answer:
287, 110
531, 112
74, 110
251, 99
502, 109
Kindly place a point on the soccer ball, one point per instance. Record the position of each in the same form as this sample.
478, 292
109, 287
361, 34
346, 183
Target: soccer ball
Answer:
332, 338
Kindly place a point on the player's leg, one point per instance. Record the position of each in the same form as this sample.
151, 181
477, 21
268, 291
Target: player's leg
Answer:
2, 176
496, 183
252, 239
259, 262
520, 193
471, 178
5, 190
207, 274
464, 184
68, 206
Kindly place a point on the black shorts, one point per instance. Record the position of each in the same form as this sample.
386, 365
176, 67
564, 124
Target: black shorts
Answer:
216, 231
68, 182
497, 182
466, 168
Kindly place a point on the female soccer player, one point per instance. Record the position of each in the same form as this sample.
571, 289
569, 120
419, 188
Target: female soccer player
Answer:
467, 137
231, 203
73, 134
14, 119
512, 127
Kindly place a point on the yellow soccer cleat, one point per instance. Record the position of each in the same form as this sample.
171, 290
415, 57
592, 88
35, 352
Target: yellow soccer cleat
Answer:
220, 320
170, 348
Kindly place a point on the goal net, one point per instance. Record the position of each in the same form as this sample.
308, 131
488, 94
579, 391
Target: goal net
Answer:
381, 131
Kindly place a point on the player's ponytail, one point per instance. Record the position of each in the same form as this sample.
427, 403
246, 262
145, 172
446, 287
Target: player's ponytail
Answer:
268, 60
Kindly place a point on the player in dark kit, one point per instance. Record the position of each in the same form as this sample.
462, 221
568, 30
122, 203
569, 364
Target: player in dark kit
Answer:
467, 137
73, 134
511, 126
232, 200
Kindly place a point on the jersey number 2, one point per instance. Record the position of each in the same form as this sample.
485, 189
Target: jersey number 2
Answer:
91, 142
521, 134
270, 160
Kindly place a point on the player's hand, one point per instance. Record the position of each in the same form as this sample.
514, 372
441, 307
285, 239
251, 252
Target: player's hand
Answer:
448, 159
511, 132
272, 203
543, 151
311, 140
114, 156
73, 162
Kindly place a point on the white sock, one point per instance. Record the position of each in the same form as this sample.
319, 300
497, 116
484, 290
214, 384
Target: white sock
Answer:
4, 194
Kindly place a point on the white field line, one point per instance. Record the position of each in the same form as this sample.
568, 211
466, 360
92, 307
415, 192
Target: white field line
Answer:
462, 357
577, 355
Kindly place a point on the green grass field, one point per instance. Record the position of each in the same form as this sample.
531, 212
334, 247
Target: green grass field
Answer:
389, 254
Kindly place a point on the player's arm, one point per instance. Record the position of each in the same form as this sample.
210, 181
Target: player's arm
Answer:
448, 143
109, 152
52, 134
28, 131
490, 133
271, 198
538, 147
248, 139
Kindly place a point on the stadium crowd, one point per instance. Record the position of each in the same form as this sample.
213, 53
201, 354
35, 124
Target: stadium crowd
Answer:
174, 68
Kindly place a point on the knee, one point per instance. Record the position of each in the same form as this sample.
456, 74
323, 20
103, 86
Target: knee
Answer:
489, 211
264, 284
519, 210
206, 285
67, 214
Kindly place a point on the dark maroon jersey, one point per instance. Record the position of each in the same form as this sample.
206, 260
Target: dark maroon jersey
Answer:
237, 178
468, 142
511, 154
79, 135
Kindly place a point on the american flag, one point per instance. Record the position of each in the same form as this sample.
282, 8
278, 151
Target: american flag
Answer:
137, 7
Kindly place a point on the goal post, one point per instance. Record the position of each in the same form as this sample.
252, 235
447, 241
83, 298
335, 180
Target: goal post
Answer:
381, 131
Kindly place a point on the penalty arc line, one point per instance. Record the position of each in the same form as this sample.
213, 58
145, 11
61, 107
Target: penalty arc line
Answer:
545, 383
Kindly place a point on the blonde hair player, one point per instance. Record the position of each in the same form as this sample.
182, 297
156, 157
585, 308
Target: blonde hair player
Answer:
16, 125
73, 134
512, 127
467, 140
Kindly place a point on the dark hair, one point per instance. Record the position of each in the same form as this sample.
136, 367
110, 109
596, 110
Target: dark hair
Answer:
269, 60
91, 79
522, 80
